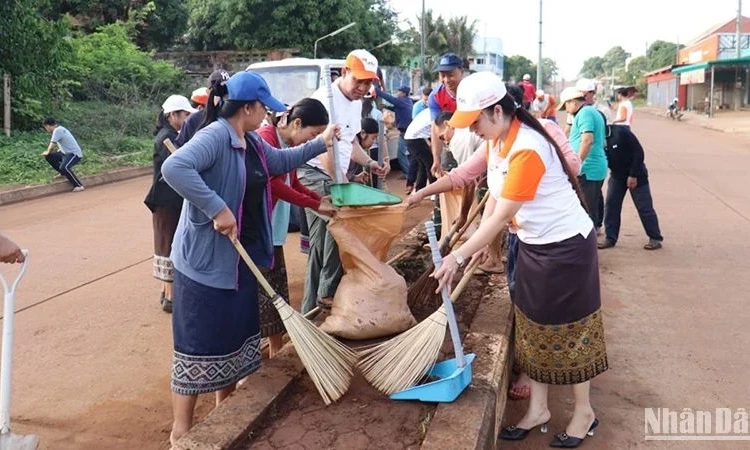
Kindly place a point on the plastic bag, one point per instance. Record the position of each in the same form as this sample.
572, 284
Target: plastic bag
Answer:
370, 301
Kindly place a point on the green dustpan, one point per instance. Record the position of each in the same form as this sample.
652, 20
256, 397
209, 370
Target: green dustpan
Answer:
355, 194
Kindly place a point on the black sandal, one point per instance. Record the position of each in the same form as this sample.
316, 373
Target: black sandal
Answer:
166, 305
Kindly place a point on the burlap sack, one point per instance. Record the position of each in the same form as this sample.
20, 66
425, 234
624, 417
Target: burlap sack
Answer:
370, 301
451, 205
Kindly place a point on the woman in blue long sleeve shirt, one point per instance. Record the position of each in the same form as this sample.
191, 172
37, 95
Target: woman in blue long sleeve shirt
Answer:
223, 173
402, 106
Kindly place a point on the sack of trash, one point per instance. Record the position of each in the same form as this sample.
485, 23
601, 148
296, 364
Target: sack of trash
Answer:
370, 301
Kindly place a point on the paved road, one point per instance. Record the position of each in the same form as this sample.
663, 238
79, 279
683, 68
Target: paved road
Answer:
677, 319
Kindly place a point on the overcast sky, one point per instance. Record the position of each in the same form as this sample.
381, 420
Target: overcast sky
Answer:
574, 30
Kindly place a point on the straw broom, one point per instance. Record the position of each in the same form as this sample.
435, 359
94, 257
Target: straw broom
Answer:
402, 361
423, 290
328, 362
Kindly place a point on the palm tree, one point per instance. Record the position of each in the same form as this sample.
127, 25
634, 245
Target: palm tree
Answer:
455, 36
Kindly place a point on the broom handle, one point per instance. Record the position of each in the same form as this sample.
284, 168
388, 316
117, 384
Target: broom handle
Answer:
329, 91
472, 215
170, 146
464, 279
253, 268
437, 259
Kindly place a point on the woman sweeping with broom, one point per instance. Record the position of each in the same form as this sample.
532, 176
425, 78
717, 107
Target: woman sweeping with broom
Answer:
223, 173
559, 331
303, 122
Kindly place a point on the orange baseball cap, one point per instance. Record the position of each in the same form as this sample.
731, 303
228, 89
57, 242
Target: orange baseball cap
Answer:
200, 96
362, 64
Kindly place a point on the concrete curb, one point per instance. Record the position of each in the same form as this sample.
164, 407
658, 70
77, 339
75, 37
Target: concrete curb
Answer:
32, 192
231, 422
473, 420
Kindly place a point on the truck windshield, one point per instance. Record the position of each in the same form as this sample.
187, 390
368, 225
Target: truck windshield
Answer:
292, 83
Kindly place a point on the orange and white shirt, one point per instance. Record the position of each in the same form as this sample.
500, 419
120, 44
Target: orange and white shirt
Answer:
624, 113
525, 168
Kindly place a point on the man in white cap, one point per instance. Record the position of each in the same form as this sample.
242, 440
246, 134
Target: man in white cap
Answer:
544, 106
528, 91
323, 263
587, 137
588, 88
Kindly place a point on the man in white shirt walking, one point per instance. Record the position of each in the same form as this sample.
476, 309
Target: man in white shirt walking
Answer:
63, 152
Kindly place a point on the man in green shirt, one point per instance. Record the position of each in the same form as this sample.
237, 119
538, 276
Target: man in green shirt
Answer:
587, 137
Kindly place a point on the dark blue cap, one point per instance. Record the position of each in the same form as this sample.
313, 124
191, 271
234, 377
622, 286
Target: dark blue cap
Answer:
449, 62
405, 89
248, 87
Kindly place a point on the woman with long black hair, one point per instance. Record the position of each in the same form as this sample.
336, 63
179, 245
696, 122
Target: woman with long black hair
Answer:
558, 322
165, 204
223, 173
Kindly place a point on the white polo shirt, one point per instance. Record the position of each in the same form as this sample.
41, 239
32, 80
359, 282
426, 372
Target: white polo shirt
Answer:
348, 115
525, 168
420, 127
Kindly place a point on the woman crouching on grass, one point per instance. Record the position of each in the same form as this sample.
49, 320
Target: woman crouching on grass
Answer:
558, 322
303, 122
224, 174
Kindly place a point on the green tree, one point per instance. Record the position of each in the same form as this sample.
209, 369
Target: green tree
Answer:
516, 66
36, 53
549, 70
461, 34
260, 24
593, 67
109, 66
661, 53
636, 68
614, 59
163, 26
160, 23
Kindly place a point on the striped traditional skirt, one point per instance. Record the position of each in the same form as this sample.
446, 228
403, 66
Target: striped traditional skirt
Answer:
270, 321
216, 334
164, 221
559, 333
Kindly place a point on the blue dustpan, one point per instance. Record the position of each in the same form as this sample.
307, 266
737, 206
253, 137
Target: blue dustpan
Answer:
452, 380
454, 375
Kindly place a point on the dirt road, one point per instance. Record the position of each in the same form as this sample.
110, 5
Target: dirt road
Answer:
93, 349
677, 319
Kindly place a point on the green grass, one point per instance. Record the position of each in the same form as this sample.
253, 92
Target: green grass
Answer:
111, 136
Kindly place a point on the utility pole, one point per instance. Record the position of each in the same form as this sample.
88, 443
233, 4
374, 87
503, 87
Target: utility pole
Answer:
421, 58
539, 83
738, 38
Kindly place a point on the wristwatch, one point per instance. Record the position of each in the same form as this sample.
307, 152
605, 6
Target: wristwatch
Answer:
459, 259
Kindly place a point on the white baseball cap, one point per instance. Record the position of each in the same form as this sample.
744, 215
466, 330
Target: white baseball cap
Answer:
526, 76
586, 85
540, 92
476, 92
569, 93
177, 103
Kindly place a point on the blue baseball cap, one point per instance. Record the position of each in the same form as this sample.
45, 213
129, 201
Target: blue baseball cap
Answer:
248, 87
405, 89
449, 62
